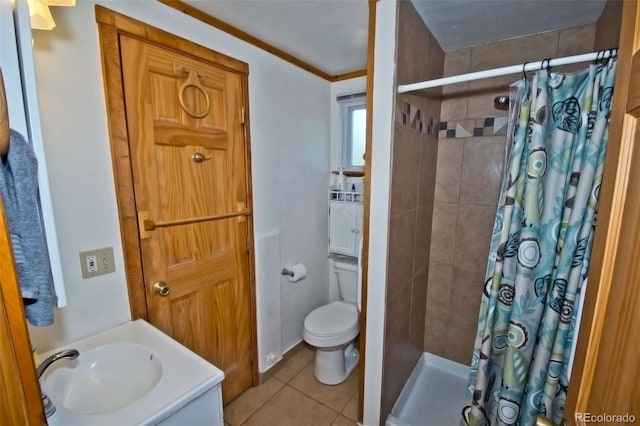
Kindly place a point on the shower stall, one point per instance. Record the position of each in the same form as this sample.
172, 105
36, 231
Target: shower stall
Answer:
447, 150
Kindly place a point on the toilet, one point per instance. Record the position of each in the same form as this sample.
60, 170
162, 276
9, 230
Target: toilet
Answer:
332, 328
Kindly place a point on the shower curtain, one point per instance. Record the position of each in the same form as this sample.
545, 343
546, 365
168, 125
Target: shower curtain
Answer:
540, 249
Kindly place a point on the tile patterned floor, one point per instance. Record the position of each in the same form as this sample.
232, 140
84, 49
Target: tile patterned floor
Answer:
293, 397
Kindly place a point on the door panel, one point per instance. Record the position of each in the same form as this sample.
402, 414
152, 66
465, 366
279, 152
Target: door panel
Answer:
342, 224
189, 162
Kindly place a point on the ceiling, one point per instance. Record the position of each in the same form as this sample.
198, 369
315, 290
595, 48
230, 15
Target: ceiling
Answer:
457, 24
331, 35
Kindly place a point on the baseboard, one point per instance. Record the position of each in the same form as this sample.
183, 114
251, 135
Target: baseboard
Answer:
266, 375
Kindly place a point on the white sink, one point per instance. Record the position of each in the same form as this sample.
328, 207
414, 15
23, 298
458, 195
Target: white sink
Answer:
130, 375
103, 379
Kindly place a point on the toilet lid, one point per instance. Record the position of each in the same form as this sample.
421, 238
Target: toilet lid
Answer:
334, 318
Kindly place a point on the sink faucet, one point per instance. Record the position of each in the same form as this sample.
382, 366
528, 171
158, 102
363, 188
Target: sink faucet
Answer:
49, 408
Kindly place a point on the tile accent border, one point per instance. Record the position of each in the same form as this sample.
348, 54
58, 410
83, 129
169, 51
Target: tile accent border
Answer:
488, 126
410, 115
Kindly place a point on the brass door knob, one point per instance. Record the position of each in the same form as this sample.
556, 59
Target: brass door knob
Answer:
543, 421
161, 289
198, 157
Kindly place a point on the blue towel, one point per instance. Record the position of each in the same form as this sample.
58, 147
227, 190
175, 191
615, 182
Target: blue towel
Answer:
19, 190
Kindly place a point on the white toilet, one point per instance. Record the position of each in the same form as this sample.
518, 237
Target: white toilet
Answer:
332, 328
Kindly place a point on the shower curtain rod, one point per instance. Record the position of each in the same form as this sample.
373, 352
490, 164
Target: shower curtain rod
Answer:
513, 69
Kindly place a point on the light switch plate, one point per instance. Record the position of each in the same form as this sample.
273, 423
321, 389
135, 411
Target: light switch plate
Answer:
97, 262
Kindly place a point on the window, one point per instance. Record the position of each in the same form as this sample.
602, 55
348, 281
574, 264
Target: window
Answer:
354, 117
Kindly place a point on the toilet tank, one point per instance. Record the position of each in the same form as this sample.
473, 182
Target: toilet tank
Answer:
347, 274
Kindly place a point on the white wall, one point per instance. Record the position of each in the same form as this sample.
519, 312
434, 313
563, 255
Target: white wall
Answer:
383, 99
290, 122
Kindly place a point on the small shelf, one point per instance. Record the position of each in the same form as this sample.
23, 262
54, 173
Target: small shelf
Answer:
350, 173
346, 196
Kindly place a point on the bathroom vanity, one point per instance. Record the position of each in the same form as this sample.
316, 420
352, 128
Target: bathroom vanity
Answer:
133, 375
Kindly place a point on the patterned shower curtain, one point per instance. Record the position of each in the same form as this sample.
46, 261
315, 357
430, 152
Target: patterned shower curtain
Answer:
540, 249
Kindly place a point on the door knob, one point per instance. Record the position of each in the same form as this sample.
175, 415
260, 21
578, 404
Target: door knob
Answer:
161, 288
543, 421
198, 157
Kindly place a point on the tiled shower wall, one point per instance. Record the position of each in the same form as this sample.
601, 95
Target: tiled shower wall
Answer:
608, 26
413, 177
470, 159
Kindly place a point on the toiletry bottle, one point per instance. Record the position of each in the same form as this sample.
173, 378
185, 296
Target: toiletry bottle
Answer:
340, 180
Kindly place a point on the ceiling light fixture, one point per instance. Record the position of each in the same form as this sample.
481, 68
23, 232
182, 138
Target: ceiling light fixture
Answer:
60, 2
40, 14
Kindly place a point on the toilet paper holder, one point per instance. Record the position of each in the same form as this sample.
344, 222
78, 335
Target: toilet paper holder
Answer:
294, 273
285, 271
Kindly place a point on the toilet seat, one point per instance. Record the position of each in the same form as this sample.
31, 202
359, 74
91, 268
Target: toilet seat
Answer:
331, 325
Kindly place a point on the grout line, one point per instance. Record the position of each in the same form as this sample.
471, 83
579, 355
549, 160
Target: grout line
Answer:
296, 372
263, 404
287, 384
415, 244
341, 411
455, 238
335, 418
315, 400
322, 403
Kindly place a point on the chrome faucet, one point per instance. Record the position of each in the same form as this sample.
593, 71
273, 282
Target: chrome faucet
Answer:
49, 408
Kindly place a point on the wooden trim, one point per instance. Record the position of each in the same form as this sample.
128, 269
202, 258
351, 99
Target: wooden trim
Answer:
254, 41
367, 206
121, 159
608, 231
151, 225
146, 224
250, 232
110, 26
20, 388
350, 173
138, 29
350, 75
236, 32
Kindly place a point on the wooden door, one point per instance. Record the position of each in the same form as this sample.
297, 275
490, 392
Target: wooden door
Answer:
189, 160
20, 400
606, 376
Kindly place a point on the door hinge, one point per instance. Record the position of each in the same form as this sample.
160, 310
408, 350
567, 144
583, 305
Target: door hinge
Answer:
242, 115
248, 245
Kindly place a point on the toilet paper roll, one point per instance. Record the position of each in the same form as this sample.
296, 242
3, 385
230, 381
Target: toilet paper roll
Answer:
299, 272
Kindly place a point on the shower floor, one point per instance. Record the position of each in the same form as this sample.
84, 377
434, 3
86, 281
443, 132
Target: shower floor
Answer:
433, 395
